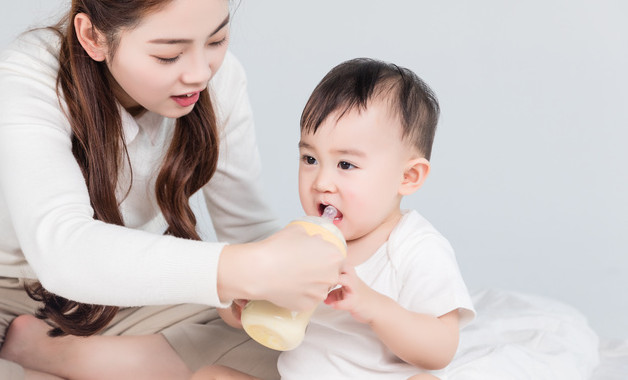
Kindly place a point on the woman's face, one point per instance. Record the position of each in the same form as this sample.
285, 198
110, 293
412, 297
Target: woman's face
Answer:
167, 60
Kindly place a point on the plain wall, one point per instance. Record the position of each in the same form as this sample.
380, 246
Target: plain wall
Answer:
528, 174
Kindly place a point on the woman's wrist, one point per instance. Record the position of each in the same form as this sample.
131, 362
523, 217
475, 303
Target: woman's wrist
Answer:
227, 276
238, 271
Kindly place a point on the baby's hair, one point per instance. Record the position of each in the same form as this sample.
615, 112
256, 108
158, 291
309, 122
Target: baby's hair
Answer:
352, 84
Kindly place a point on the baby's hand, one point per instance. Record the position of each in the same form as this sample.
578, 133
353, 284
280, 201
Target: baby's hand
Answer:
353, 296
232, 315
237, 306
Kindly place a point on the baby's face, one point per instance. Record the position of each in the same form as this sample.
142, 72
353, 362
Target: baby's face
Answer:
357, 165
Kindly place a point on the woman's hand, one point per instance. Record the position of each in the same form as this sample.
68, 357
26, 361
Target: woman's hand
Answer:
290, 268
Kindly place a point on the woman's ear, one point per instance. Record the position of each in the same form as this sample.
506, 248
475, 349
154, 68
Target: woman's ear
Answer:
91, 40
414, 175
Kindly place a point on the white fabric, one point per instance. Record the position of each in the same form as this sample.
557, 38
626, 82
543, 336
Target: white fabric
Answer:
46, 225
613, 360
417, 268
520, 337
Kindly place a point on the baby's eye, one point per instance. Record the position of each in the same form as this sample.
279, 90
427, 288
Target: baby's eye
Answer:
309, 160
344, 165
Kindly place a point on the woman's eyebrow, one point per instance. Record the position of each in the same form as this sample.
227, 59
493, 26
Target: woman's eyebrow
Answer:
174, 41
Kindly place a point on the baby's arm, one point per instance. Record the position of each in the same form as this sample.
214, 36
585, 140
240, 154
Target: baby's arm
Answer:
422, 340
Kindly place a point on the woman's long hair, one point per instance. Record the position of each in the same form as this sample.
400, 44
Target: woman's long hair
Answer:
99, 148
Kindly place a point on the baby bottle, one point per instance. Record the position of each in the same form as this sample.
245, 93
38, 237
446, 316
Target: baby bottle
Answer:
279, 328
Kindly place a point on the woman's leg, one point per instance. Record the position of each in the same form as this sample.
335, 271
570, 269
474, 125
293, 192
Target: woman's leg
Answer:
194, 335
96, 357
13, 302
219, 372
216, 343
199, 337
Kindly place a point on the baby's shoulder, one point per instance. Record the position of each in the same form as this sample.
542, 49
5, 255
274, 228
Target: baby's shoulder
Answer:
413, 229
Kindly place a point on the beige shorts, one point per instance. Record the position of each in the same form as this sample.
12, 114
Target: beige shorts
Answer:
195, 332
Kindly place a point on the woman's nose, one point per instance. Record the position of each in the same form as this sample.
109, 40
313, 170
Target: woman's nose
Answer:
198, 69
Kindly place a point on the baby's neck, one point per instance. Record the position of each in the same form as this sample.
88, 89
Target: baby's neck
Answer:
361, 249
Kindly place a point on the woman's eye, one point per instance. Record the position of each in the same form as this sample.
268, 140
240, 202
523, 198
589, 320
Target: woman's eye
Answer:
168, 60
219, 43
344, 165
308, 159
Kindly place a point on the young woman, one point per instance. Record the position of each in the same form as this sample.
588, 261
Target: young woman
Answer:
124, 129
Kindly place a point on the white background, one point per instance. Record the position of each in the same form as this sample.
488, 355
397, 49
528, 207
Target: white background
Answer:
529, 178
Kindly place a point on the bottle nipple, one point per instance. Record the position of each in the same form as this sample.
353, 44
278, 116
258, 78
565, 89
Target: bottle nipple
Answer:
329, 213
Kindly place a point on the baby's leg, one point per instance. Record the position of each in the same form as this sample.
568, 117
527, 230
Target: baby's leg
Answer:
424, 376
216, 372
106, 357
34, 375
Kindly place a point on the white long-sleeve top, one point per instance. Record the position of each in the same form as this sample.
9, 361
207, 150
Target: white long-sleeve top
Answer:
47, 229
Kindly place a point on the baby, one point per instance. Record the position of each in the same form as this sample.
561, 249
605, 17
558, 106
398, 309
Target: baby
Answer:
366, 139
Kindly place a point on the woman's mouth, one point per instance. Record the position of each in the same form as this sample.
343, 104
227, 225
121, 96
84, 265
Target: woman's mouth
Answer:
186, 100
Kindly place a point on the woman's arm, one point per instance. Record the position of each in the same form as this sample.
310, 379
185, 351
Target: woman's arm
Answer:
45, 195
86, 260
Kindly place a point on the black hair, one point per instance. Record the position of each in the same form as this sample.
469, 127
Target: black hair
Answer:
352, 84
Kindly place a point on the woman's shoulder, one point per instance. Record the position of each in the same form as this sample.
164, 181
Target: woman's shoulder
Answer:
30, 62
28, 80
37, 47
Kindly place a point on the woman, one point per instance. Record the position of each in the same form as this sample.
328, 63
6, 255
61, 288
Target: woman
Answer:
112, 150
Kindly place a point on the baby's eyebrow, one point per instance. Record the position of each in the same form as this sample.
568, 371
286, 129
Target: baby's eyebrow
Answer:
345, 152
350, 152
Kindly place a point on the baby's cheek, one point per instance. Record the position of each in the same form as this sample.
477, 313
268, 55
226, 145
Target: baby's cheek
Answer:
358, 204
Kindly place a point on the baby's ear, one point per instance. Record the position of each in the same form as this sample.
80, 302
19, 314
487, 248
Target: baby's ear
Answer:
414, 175
91, 40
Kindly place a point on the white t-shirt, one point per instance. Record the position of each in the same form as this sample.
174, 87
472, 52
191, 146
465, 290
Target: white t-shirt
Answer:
47, 229
417, 268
